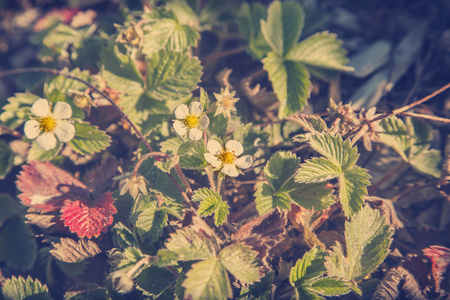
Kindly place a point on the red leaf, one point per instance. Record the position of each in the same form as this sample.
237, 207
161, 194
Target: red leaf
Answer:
440, 257
45, 187
89, 219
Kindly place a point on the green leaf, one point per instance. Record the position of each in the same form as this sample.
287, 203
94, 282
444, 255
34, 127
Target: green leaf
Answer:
329, 287
240, 260
61, 36
352, 189
207, 280
211, 203
15, 113
312, 195
335, 149
280, 168
290, 81
310, 266
6, 159
251, 137
154, 280
89, 139
17, 288
168, 34
283, 26
63, 84
427, 162
367, 238
172, 75
249, 22
221, 213
123, 237
17, 246
189, 244
9, 207
395, 135
317, 169
150, 223
321, 50
267, 199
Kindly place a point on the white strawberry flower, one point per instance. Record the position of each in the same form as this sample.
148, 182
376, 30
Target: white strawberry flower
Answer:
48, 126
191, 121
226, 159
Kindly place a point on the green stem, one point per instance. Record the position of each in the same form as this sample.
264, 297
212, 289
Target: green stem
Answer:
219, 183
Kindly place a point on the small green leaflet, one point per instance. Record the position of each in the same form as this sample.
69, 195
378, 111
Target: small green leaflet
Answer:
240, 260
37, 153
89, 139
17, 288
153, 281
15, 113
190, 152
367, 238
123, 237
63, 84
211, 203
307, 277
411, 141
339, 162
207, 280
281, 189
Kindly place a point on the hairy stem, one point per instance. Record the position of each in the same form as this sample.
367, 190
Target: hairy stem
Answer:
141, 160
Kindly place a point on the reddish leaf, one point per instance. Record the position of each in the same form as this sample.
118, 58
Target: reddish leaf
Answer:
440, 257
89, 219
45, 187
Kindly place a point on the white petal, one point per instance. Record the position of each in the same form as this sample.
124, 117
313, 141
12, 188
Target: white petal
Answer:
62, 110
41, 108
214, 147
180, 127
230, 170
195, 134
32, 129
219, 110
181, 112
46, 141
196, 108
235, 146
213, 160
204, 122
65, 131
244, 162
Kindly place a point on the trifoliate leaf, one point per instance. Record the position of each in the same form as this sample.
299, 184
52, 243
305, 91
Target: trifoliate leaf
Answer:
211, 203
168, 34
17, 288
6, 159
321, 50
352, 189
150, 223
17, 246
172, 75
69, 251
335, 149
190, 244
240, 260
395, 135
317, 169
267, 199
39, 154
15, 112
89, 139
45, 187
280, 168
367, 238
89, 219
249, 22
290, 82
283, 26
153, 280
207, 280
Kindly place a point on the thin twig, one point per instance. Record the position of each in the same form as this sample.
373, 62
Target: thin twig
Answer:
221, 54
428, 117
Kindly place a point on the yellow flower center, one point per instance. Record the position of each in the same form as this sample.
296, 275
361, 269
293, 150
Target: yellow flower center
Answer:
227, 102
227, 157
191, 121
47, 124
